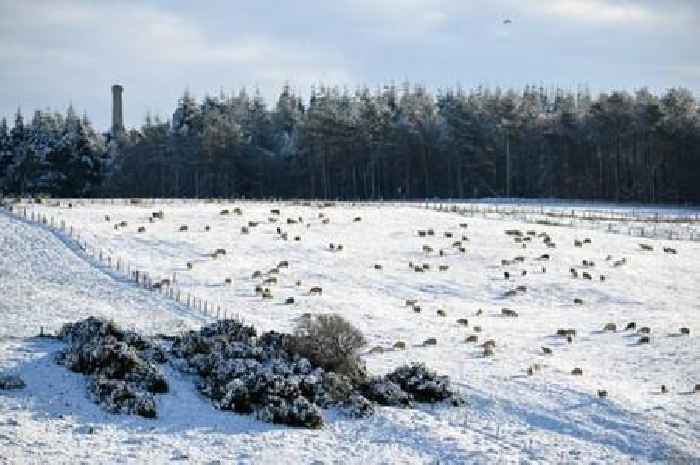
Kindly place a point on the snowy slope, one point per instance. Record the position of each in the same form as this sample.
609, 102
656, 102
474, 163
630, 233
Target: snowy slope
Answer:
551, 417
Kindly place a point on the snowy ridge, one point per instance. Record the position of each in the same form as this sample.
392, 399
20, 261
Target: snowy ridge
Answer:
551, 417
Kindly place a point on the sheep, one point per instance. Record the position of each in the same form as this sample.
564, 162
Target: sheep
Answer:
418, 269
530, 232
441, 252
266, 294
506, 262
227, 281
602, 393
566, 332
522, 288
588, 263
646, 247
465, 238
488, 352
586, 275
685, 331
237, 211
289, 300
519, 258
416, 309
291, 221
587, 240
479, 312
489, 343
258, 290
256, 274
427, 249
463, 322
619, 262
298, 283
644, 330
142, 229
574, 273
578, 301
534, 368
670, 250
472, 338
551, 245
224, 212
274, 211
399, 345
430, 232
244, 230
207, 228
431, 341
508, 312
578, 243
544, 256
325, 221
220, 251
463, 225
610, 327
696, 388
513, 232
183, 228
577, 372
273, 271
462, 250
443, 267
603, 277
631, 325
523, 273
283, 264
107, 218
506, 275
546, 351
189, 265
411, 302
357, 219
298, 238
510, 293
316, 290
441, 312
644, 340
158, 215
426, 266
477, 329
448, 234
664, 389
271, 280
544, 269
123, 224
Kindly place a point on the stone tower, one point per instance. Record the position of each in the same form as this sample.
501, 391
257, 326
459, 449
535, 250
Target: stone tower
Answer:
117, 113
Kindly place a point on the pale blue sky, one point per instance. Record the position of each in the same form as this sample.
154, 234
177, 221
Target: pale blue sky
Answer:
56, 52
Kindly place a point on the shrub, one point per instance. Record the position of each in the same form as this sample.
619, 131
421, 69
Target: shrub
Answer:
121, 364
332, 343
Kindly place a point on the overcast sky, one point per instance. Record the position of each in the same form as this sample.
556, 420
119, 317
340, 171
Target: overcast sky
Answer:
57, 52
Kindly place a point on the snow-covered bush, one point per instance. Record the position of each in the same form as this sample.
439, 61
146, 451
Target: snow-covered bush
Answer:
122, 365
423, 384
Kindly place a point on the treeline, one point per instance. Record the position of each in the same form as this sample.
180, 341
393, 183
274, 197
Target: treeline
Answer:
392, 142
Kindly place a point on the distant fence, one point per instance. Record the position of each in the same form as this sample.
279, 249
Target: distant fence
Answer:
637, 223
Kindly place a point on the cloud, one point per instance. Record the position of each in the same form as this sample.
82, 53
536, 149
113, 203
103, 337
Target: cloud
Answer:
62, 51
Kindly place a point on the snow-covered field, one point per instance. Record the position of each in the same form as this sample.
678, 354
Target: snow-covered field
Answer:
510, 417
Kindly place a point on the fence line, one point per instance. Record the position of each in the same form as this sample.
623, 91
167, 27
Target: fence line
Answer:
117, 263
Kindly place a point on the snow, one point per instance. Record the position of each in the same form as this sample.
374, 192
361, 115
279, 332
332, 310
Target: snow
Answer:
46, 280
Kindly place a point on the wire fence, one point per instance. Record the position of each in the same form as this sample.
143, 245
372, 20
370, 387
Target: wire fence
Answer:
120, 266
